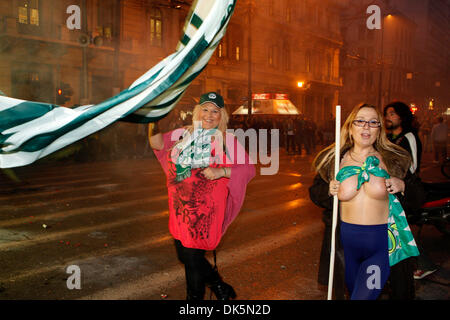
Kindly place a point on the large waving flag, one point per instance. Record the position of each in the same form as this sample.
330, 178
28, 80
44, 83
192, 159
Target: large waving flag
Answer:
32, 130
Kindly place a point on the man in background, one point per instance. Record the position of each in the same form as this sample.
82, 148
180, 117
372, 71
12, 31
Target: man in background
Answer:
439, 138
399, 122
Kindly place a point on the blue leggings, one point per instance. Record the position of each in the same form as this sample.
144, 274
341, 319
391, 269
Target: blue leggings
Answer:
366, 259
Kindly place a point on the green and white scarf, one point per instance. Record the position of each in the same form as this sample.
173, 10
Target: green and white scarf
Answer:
194, 152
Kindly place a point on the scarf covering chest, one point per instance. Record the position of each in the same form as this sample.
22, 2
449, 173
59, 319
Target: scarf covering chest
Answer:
401, 241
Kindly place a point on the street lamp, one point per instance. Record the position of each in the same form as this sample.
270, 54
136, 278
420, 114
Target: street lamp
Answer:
250, 4
380, 81
84, 69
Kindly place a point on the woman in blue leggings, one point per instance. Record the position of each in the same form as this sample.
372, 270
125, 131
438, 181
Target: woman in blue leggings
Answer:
374, 231
366, 260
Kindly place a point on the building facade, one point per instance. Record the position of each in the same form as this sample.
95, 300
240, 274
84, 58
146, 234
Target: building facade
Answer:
376, 63
117, 42
431, 50
292, 42
295, 48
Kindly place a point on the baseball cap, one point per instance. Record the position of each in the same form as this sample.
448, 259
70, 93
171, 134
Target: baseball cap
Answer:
214, 98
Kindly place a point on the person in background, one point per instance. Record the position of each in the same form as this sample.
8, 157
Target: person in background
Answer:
439, 135
299, 134
290, 136
425, 135
399, 120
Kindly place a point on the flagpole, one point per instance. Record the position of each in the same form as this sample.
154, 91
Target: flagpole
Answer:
335, 202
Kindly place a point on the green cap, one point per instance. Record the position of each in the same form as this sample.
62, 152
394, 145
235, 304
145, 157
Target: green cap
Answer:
214, 98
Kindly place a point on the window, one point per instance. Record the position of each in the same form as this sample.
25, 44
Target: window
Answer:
319, 17
238, 53
222, 47
32, 82
362, 32
311, 13
28, 12
336, 64
370, 58
155, 27
271, 8
308, 61
106, 18
273, 58
369, 80
286, 57
360, 81
271, 54
288, 14
301, 10
329, 67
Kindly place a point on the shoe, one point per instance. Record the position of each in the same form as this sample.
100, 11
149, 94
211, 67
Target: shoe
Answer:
420, 274
222, 290
195, 296
191, 297
195, 293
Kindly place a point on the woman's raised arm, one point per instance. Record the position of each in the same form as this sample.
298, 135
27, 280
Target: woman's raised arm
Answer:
155, 137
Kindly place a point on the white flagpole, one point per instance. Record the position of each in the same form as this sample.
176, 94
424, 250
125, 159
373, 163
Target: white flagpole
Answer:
335, 201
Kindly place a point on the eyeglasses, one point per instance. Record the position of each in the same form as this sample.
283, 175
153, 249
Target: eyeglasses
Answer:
371, 123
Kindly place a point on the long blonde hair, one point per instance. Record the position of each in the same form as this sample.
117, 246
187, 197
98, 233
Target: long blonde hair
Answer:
397, 159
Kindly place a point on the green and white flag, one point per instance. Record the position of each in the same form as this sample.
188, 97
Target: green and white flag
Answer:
32, 130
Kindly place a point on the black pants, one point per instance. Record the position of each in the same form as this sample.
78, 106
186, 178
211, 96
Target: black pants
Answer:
198, 270
401, 280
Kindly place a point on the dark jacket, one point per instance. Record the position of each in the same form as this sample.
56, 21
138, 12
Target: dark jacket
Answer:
403, 142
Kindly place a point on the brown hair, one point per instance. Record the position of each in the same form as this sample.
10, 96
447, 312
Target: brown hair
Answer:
397, 159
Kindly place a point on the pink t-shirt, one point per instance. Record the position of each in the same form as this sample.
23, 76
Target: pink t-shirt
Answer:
200, 210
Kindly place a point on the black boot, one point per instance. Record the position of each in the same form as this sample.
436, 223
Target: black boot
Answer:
222, 290
195, 296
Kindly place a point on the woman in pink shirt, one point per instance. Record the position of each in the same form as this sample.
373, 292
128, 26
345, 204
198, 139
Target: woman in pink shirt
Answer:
207, 174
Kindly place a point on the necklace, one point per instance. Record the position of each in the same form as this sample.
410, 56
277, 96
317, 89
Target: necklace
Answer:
359, 161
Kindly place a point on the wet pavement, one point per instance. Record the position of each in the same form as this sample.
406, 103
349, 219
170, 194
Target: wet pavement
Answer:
110, 220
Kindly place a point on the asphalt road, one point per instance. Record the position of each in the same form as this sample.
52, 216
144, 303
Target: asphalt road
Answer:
109, 219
